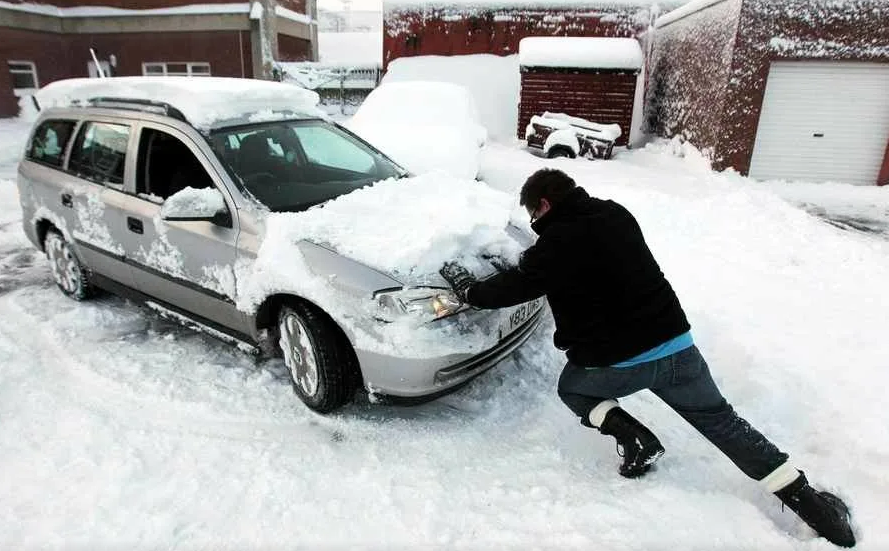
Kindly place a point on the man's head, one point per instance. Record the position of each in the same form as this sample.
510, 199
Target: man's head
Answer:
543, 189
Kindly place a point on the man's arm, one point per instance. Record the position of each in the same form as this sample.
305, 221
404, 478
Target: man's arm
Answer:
525, 282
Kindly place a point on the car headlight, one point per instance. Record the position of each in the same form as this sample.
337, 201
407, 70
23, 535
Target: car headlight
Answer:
422, 303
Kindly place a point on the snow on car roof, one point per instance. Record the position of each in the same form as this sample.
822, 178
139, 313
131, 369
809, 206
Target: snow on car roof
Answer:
580, 52
205, 101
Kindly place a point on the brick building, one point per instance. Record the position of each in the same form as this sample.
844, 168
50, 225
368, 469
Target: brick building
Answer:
777, 89
40, 43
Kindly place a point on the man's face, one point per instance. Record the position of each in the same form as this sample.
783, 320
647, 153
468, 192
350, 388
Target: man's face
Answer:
536, 213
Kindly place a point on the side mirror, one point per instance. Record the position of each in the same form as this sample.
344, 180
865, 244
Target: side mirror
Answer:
193, 205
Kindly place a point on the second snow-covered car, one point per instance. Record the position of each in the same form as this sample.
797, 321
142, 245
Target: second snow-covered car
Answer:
237, 207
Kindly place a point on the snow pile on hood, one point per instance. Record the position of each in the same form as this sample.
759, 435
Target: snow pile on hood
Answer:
204, 101
409, 226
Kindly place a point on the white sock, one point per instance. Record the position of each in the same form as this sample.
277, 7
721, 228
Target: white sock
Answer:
780, 478
597, 416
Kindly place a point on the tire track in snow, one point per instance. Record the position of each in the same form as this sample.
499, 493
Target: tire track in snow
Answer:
79, 385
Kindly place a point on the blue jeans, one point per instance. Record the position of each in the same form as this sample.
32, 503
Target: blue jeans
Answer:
683, 381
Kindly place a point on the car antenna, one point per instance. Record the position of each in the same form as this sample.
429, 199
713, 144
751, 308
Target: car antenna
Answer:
98, 65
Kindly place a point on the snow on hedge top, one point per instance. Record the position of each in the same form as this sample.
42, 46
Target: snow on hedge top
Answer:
580, 52
547, 4
684, 10
205, 101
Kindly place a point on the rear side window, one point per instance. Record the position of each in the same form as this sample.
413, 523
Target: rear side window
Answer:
49, 142
100, 152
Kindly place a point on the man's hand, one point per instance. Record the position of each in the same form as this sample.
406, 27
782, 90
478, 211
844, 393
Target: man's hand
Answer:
459, 278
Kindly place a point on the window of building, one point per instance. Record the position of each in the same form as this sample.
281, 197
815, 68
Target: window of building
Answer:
100, 151
174, 69
49, 142
24, 77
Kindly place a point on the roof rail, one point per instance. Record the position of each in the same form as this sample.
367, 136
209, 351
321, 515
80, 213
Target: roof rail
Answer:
134, 104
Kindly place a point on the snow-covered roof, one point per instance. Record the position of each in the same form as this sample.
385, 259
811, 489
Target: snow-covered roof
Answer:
684, 10
254, 10
580, 52
107, 11
205, 101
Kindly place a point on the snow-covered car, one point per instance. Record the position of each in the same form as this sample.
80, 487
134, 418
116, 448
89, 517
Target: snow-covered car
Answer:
425, 126
236, 207
561, 135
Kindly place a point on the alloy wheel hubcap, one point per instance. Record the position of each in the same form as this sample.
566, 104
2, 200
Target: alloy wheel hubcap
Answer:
65, 269
299, 354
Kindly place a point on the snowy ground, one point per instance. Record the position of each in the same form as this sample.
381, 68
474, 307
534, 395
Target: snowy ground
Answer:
119, 430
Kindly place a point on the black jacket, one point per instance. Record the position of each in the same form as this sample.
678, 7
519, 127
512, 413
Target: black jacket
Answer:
607, 293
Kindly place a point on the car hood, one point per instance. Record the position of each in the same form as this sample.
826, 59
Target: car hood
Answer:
398, 232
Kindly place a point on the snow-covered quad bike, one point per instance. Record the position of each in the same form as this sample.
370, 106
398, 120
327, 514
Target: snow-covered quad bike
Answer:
561, 135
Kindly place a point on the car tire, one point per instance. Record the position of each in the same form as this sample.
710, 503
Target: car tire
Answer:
67, 271
319, 359
560, 152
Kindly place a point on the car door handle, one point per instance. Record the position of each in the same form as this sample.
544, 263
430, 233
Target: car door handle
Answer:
818, 135
67, 200
134, 225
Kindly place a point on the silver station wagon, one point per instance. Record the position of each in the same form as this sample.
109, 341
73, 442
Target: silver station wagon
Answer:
161, 190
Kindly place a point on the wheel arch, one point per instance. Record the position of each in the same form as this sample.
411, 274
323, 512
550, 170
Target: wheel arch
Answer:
41, 228
266, 321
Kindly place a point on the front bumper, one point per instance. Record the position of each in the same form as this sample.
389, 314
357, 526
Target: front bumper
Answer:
427, 378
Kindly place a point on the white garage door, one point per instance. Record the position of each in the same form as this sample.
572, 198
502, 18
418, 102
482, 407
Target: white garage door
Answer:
823, 121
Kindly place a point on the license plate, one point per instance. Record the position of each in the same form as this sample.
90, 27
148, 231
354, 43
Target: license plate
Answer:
519, 315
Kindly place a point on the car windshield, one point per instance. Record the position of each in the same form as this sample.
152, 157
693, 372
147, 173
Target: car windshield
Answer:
293, 165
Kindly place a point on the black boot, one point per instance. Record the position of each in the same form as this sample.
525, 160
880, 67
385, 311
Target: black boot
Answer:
639, 447
823, 511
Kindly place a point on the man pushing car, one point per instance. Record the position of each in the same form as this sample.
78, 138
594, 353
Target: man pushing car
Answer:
623, 330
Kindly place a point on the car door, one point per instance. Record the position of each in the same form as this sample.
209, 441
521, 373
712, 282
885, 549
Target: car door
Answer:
98, 166
185, 265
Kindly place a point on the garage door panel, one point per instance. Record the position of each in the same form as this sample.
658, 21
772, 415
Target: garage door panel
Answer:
845, 102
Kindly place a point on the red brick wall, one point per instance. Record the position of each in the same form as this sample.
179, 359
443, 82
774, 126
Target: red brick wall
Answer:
8, 105
689, 71
498, 31
602, 98
127, 4
883, 178
298, 6
291, 48
66, 56
48, 51
219, 48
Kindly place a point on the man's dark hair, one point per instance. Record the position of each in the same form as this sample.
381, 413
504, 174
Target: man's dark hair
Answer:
547, 183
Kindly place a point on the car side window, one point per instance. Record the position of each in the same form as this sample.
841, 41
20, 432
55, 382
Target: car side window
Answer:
100, 152
166, 166
49, 142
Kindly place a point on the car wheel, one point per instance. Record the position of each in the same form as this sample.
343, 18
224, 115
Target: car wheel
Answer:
67, 271
560, 152
321, 364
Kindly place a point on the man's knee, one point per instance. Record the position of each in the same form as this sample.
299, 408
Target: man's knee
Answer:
581, 405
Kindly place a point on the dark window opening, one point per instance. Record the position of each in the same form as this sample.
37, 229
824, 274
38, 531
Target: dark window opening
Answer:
166, 166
